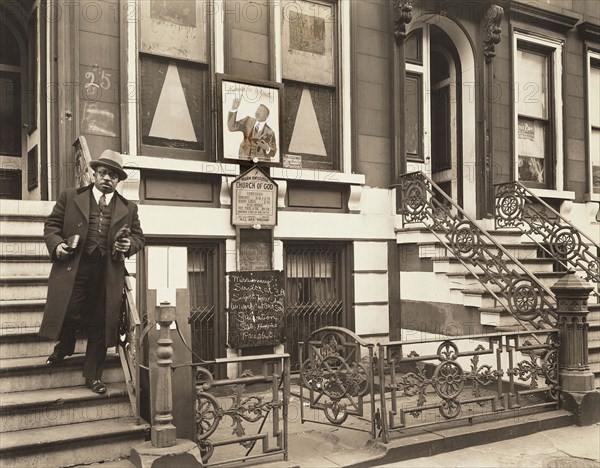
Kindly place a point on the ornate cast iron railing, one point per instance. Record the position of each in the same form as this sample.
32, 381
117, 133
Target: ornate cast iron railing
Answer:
467, 376
513, 287
130, 331
336, 376
427, 382
241, 414
518, 207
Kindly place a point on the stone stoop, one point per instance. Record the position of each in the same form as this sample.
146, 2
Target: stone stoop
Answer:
449, 272
47, 416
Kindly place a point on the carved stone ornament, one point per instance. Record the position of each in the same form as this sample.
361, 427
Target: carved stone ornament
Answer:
402, 16
491, 30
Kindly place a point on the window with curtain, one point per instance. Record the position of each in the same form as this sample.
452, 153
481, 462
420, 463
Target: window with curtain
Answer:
534, 92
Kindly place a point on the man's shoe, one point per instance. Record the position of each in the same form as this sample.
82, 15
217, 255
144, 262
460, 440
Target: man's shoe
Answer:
54, 358
97, 386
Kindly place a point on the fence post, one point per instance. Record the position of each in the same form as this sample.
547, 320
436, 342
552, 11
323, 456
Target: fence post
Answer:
576, 380
164, 444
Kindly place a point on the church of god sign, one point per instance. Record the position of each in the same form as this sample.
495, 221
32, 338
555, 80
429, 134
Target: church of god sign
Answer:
254, 199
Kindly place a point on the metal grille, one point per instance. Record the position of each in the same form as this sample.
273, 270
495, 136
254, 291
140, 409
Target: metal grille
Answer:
201, 284
314, 292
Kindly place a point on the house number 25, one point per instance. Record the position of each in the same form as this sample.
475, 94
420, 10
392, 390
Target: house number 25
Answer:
104, 80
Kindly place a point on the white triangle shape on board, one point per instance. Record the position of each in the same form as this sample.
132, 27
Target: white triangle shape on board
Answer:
306, 136
172, 118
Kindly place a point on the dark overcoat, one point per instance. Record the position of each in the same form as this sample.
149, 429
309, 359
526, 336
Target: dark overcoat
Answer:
71, 216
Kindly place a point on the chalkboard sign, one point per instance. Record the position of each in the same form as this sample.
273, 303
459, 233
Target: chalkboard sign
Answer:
256, 308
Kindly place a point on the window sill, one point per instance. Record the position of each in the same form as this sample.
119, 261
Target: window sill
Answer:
316, 175
556, 194
180, 165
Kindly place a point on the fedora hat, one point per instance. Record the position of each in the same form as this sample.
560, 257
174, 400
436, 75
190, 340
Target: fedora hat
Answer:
111, 160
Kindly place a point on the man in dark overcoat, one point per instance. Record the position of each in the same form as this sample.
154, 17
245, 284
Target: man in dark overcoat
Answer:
85, 287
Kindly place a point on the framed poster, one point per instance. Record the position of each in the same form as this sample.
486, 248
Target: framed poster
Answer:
249, 127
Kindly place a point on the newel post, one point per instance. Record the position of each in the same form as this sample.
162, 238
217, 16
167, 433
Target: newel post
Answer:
164, 448
163, 433
576, 380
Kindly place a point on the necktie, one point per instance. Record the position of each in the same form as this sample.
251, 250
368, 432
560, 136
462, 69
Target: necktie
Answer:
102, 202
256, 127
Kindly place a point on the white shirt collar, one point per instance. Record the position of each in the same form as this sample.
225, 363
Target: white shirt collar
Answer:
259, 125
97, 194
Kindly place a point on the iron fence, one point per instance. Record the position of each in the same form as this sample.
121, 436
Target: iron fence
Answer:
405, 385
314, 289
236, 417
432, 381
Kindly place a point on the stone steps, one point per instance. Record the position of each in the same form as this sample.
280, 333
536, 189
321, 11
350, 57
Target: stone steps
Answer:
453, 265
23, 287
49, 418
25, 342
21, 313
72, 444
32, 409
32, 373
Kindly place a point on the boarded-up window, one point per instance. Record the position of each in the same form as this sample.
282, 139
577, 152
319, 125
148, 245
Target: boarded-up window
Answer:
309, 56
533, 89
173, 77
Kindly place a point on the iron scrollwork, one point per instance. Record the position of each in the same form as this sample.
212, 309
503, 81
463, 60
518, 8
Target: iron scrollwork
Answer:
335, 376
245, 410
448, 384
518, 207
511, 284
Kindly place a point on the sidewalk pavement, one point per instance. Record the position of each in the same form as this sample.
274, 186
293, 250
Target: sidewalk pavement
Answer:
315, 445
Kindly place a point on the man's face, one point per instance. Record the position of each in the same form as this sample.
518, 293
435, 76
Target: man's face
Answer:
105, 179
261, 114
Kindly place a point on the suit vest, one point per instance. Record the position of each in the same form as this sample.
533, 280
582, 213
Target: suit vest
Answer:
99, 225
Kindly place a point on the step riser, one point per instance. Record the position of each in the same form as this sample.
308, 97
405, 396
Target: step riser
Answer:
53, 377
77, 454
22, 228
497, 320
517, 251
23, 248
66, 414
14, 321
25, 269
32, 348
452, 267
459, 284
23, 292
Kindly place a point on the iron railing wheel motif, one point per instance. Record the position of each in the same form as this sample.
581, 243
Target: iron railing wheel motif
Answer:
513, 287
515, 374
518, 207
335, 375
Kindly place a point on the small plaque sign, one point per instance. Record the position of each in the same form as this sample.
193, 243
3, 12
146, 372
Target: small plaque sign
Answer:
292, 161
256, 308
254, 199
